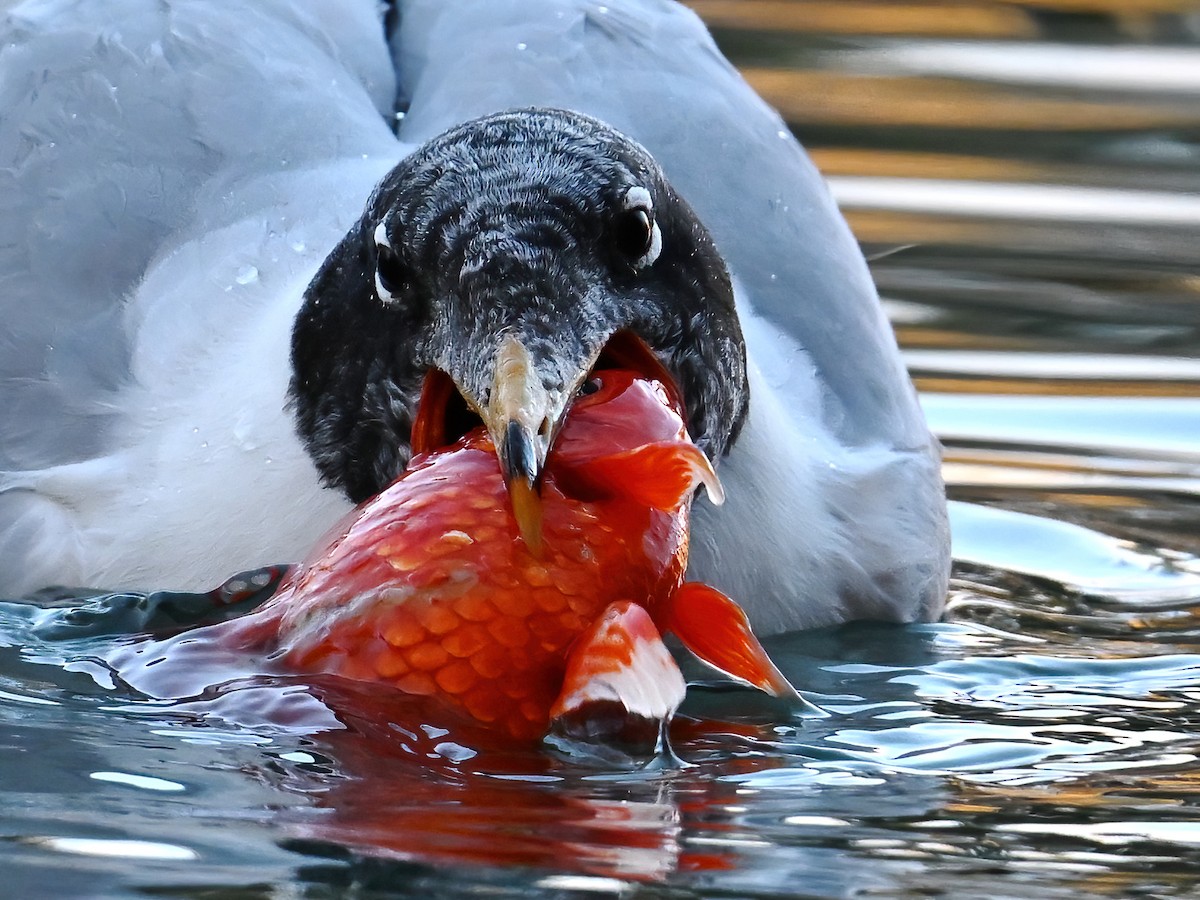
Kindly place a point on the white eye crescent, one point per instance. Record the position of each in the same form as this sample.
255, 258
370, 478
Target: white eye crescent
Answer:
638, 201
381, 238
383, 253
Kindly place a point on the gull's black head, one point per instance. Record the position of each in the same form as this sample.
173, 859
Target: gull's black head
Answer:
507, 253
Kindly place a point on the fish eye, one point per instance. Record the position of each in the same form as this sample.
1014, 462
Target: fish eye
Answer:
589, 387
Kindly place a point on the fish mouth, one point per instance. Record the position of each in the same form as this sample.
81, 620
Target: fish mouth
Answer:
517, 417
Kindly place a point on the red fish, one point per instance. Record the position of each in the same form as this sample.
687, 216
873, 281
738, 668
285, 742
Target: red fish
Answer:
431, 589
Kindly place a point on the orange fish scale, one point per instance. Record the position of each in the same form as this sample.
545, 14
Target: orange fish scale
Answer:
572, 621
515, 602
418, 683
578, 605
403, 629
516, 688
507, 580
536, 576
486, 534
391, 664
456, 678
492, 661
509, 631
573, 583
493, 556
467, 639
475, 608
485, 704
428, 656
357, 668
438, 618
549, 600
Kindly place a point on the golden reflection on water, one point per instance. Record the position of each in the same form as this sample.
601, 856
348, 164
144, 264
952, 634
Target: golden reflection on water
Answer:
959, 19
896, 101
911, 164
988, 19
1022, 176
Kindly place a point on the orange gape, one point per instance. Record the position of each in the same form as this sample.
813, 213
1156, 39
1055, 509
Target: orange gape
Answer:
429, 588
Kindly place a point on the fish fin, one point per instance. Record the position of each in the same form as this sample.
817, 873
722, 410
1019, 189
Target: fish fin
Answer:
621, 682
717, 631
658, 475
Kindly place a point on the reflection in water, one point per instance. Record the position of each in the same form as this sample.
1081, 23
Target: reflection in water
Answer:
375, 800
1023, 176
996, 200
1140, 70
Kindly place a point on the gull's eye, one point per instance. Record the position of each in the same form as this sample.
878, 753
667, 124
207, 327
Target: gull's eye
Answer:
637, 234
389, 271
389, 276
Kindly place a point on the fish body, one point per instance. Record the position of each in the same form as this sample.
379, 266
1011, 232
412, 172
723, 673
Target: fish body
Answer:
430, 588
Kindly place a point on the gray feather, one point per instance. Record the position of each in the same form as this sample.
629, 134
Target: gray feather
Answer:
85, 208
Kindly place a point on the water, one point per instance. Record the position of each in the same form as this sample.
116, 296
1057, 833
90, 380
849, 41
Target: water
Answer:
1024, 179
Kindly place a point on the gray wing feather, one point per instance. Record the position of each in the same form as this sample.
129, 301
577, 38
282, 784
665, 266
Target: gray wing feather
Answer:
84, 210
